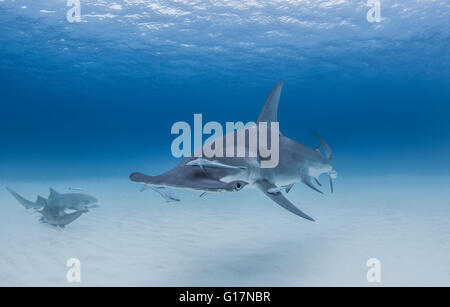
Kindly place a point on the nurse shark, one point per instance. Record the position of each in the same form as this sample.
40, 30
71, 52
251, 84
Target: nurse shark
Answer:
53, 209
297, 164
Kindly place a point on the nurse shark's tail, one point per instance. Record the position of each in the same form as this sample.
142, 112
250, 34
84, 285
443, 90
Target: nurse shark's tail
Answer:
39, 203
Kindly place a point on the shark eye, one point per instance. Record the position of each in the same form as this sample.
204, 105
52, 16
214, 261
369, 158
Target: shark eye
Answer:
238, 186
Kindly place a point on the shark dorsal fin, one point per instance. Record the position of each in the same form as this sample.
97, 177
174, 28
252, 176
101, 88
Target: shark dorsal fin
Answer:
53, 193
269, 112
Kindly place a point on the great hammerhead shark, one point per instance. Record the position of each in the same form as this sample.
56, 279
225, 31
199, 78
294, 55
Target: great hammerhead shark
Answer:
297, 163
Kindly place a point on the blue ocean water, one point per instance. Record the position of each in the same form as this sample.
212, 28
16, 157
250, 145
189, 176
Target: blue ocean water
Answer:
95, 99
109, 87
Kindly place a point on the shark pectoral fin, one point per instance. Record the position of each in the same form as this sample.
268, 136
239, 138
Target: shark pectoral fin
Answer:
317, 181
308, 182
279, 198
289, 187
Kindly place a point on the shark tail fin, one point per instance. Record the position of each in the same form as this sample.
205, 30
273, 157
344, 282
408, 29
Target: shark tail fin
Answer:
269, 112
24, 202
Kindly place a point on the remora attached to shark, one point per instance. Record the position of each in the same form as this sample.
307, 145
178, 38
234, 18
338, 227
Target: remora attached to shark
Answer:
167, 195
53, 209
297, 163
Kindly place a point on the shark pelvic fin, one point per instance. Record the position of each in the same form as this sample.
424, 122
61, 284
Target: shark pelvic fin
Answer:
318, 182
279, 198
289, 187
269, 112
308, 182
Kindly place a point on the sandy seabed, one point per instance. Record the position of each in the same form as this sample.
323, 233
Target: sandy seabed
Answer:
241, 239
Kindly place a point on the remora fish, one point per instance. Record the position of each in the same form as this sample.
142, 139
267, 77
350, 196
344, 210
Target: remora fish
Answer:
202, 163
163, 191
59, 220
